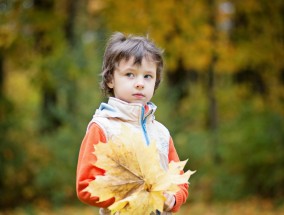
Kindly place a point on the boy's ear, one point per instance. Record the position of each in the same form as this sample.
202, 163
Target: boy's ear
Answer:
110, 84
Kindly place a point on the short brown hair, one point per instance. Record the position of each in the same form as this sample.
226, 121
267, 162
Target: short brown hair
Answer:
121, 47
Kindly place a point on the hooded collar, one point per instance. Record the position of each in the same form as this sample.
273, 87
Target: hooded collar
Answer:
132, 112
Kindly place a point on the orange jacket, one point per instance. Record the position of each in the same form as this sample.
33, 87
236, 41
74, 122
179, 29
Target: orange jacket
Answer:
86, 171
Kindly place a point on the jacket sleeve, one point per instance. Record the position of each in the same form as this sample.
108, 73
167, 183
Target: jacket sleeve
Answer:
182, 194
86, 170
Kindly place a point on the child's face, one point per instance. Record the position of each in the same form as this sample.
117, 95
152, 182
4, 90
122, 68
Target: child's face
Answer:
132, 83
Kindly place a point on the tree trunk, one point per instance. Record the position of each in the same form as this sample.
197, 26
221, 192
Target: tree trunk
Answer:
71, 39
211, 84
2, 103
50, 120
212, 110
1, 75
70, 23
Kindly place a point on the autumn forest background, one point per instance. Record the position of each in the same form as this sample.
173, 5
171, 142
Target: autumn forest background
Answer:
222, 97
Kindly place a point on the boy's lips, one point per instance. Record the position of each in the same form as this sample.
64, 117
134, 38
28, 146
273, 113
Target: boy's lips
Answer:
138, 95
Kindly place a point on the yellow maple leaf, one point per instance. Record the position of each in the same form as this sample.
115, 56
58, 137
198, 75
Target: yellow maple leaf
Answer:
134, 175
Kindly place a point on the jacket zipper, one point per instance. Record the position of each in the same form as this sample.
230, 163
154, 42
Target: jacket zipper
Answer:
144, 129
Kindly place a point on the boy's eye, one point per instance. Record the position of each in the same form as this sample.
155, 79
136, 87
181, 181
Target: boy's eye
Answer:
148, 76
130, 75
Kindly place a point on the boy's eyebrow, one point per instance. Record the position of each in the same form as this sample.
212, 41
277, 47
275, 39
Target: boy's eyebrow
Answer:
151, 71
132, 69
127, 68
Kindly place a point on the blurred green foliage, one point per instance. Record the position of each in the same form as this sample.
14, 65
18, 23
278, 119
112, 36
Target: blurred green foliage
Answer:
221, 98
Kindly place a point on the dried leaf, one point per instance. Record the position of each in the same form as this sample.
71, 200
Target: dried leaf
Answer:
134, 175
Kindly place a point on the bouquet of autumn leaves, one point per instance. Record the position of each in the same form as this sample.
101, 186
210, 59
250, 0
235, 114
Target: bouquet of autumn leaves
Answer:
134, 175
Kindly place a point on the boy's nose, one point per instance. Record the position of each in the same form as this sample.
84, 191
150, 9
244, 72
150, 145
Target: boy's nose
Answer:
139, 83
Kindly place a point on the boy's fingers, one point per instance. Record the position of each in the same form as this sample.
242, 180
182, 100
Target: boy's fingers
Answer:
170, 202
104, 211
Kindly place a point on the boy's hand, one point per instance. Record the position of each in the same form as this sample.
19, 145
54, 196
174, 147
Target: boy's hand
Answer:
170, 202
104, 211
168, 205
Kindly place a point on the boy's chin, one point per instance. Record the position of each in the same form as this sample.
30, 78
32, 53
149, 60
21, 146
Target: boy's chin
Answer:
134, 101
138, 102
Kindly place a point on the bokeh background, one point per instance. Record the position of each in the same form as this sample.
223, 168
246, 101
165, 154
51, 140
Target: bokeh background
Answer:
222, 97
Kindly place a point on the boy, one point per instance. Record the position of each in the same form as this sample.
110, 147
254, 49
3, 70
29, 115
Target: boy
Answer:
131, 73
